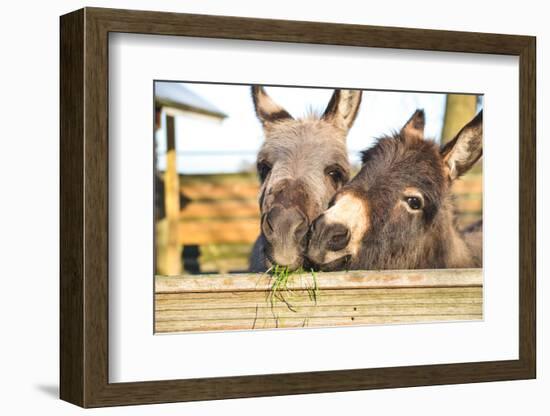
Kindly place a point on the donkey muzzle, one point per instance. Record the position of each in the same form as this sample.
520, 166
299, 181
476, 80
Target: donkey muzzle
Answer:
285, 231
326, 241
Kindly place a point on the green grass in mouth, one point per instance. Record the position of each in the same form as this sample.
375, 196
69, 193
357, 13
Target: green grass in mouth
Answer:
281, 276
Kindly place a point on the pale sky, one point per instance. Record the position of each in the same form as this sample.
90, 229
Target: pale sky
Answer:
205, 146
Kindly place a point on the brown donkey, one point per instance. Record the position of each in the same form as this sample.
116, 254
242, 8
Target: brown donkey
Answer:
301, 165
397, 212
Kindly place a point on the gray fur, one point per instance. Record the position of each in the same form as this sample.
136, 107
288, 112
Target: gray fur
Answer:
299, 152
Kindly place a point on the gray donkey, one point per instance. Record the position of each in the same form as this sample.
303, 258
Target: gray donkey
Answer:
301, 165
397, 212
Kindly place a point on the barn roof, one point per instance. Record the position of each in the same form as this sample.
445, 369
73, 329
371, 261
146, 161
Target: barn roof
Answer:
176, 95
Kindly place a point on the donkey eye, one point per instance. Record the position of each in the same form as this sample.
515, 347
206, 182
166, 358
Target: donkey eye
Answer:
263, 170
414, 202
336, 175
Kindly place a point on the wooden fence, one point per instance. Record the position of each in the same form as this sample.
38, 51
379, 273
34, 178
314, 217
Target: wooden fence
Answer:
248, 301
220, 212
468, 192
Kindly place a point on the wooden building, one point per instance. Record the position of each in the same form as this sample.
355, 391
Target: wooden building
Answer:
173, 100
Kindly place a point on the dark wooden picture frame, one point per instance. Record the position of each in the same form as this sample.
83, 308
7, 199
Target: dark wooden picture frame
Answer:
84, 207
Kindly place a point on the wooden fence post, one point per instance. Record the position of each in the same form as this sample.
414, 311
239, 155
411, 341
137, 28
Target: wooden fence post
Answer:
170, 263
459, 110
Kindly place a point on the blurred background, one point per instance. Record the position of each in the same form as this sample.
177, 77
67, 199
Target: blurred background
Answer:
206, 140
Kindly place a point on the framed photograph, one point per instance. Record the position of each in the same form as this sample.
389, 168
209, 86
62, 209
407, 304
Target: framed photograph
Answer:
255, 207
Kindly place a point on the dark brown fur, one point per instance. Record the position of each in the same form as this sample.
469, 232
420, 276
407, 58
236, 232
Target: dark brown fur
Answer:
398, 237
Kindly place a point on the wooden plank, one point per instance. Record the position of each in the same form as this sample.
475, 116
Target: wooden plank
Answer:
376, 292
230, 190
281, 310
218, 231
469, 184
240, 324
220, 210
467, 218
231, 302
241, 231
190, 301
335, 280
469, 205
359, 301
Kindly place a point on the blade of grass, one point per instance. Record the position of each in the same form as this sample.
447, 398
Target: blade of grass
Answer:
281, 277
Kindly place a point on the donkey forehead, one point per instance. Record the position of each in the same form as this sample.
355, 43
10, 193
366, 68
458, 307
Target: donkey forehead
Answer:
393, 165
304, 143
397, 161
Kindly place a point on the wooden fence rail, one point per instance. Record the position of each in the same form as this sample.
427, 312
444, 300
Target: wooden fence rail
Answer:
247, 301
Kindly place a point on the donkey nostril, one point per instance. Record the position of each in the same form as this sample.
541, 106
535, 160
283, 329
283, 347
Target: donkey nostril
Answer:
314, 224
268, 221
339, 240
301, 231
271, 219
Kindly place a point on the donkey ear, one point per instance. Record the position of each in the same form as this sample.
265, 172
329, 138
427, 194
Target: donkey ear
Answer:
342, 108
465, 149
414, 128
267, 110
